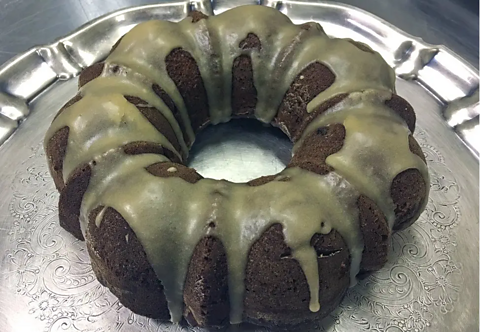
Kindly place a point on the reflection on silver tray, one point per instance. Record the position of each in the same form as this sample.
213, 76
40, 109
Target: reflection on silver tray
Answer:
430, 282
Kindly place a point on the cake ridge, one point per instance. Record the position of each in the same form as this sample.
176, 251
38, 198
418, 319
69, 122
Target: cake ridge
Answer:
370, 106
122, 116
316, 88
128, 84
112, 69
235, 197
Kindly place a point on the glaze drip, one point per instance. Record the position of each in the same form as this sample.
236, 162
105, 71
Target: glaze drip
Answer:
289, 49
375, 149
376, 143
177, 210
99, 123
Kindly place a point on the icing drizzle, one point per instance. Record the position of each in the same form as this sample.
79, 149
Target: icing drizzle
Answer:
170, 208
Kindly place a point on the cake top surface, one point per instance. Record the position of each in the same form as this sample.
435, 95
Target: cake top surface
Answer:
375, 150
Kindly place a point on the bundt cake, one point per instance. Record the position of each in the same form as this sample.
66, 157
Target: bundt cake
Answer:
280, 250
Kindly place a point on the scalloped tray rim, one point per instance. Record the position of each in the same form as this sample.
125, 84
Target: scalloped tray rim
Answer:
18, 104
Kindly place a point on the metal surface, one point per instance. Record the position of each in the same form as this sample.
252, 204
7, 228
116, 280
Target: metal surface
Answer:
24, 23
431, 280
450, 78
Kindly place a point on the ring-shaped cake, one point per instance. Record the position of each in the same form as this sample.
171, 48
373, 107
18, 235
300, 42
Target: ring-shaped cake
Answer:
280, 250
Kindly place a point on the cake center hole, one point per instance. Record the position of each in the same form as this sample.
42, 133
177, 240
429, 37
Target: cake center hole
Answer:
240, 151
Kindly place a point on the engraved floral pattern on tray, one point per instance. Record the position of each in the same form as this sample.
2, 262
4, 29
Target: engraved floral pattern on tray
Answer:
52, 269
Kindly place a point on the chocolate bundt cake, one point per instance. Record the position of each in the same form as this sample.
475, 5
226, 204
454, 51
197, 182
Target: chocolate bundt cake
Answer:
279, 251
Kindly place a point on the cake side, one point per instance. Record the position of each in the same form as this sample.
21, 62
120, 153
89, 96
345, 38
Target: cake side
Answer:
180, 96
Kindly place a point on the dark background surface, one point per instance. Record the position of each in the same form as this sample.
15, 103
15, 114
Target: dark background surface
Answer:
25, 23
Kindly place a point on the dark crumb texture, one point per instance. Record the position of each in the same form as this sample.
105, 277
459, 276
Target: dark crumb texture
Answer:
277, 294
119, 260
317, 146
120, 263
157, 119
90, 73
376, 236
206, 288
415, 148
141, 147
197, 16
55, 150
244, 93
173, 108
72, 192
71, 199
261, 180
183, 70
251, 42
403, 109
408, 191
306, 86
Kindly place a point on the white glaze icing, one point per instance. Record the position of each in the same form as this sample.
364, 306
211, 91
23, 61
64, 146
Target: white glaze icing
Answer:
376, 144
306, 204
103, 121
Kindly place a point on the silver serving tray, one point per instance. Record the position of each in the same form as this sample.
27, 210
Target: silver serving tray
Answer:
431, 280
